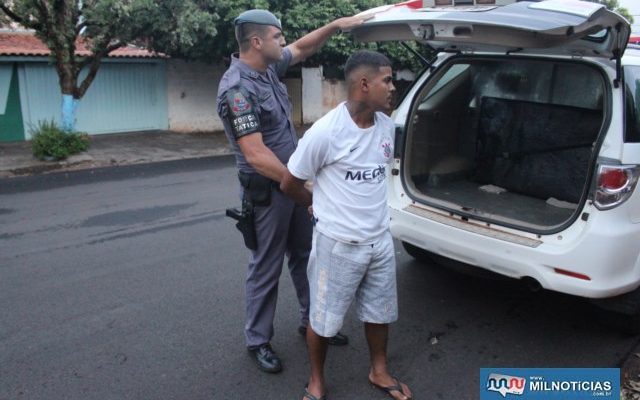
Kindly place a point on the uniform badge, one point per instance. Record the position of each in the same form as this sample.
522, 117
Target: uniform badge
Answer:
240, 104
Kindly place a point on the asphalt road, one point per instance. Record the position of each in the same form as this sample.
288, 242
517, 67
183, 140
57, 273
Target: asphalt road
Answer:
127, 283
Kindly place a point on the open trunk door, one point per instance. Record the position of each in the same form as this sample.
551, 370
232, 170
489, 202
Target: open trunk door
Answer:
560, 27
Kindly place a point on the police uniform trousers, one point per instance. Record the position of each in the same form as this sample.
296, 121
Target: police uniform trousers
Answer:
281, 228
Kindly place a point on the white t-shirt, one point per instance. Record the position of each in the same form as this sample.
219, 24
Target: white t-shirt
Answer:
348, 165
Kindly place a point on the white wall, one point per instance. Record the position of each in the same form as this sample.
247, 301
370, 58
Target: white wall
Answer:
319, 96
311, 94
333, 93
191, 96
192, 89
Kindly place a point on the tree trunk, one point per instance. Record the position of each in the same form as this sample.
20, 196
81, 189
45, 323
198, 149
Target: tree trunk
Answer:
69, 106
68, 82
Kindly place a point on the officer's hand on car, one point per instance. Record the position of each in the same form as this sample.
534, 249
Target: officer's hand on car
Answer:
346, 23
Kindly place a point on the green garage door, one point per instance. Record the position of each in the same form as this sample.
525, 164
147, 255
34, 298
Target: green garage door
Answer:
11, 127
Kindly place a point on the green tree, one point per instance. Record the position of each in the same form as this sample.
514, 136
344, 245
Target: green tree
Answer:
299, 17
174, 26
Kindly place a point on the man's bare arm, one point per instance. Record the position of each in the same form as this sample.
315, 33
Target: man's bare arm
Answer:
260, 157
310, 43
295, 188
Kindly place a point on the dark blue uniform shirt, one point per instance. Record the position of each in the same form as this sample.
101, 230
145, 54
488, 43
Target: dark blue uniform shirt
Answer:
250, 101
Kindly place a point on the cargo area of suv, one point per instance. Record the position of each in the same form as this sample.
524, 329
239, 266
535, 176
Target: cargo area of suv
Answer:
509, 140
517, 149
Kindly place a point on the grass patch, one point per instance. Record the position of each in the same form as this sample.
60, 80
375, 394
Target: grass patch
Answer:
49, 142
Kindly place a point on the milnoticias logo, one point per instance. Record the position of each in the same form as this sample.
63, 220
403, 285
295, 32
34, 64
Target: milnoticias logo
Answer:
504, 384
550, 383
367, 174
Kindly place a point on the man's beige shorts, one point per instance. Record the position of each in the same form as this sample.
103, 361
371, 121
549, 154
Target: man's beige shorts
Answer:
340, 272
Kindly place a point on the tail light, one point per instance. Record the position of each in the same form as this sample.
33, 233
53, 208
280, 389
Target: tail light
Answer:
615, 185
410, 4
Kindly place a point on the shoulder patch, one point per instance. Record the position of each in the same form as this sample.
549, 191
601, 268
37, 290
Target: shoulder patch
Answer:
243, 118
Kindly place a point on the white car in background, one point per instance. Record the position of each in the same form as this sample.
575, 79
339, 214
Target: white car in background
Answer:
518, 148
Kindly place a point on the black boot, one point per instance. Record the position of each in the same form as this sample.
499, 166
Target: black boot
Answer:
266, 358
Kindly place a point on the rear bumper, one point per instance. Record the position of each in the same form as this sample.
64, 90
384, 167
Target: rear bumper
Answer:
609, 257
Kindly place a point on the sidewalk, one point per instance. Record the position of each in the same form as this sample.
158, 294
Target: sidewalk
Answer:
116, 149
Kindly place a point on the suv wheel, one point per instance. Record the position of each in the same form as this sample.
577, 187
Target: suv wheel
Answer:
418, 253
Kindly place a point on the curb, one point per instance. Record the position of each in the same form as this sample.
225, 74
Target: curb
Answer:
83, 164
116, 150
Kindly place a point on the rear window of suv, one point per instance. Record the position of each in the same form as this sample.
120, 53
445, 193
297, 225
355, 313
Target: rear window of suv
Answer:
632, 99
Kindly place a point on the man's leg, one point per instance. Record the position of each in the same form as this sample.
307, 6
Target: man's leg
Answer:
333, 281
317, 348
377, 338
377, 306
263, 274
298, 248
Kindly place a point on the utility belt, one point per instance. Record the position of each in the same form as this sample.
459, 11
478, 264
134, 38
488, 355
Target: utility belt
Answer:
257, 193
257, 188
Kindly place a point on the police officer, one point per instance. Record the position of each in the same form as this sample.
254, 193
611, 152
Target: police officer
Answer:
256, 112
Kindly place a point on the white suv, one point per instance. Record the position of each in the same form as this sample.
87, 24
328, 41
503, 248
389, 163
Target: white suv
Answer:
518, 148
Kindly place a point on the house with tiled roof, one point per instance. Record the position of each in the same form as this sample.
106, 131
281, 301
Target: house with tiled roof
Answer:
25, 43
134, 90
128, 94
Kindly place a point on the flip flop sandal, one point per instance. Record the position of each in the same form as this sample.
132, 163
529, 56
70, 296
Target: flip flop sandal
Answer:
393, 388
309, 396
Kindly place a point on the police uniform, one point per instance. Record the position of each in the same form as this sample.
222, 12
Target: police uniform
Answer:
249, 101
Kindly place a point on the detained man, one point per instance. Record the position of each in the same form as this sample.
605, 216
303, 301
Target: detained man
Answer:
346, 154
